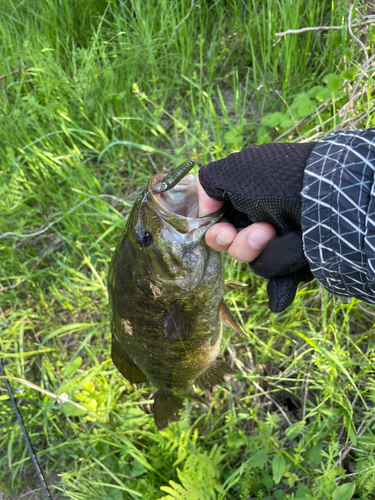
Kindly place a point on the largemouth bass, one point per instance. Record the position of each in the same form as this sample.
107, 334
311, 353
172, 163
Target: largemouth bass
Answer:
165, 290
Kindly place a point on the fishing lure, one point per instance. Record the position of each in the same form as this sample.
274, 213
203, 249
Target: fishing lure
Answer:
174, 177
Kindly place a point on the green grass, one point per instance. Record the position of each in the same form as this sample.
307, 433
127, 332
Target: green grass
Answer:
94, 97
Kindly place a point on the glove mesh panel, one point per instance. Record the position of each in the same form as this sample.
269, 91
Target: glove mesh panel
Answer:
283, 213
267, 170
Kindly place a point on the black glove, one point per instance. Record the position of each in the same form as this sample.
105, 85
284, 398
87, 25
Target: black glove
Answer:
264, 184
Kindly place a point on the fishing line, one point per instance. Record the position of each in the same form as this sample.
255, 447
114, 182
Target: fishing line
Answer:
26, 436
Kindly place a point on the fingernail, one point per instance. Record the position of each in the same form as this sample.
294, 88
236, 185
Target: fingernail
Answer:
258, 238
223, 239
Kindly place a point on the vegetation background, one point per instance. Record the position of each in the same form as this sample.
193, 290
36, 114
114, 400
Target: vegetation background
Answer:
94, 97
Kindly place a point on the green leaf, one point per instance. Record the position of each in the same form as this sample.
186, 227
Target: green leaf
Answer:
370, 37
91, 404
88, 386
344, 492
293, 430
231, 138
271, 119
66, 329
134, 145
323, 94
334, 82
263, 136
353, 435
302, 492
314, 453
286, 121
71, 410
182, 124
350, 428
259, 459
349, 73
314, 90
306, 109
267, 481
72, 367
137, 469
278, 468
279, 494
175, 490
302, 106
117, 496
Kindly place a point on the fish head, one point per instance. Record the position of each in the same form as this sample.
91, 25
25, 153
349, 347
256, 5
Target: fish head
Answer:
166, 236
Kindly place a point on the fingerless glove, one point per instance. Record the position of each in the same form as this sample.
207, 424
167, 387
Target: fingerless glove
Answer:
264, 184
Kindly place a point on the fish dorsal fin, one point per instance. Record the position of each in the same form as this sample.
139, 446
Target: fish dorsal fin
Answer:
231, 285
124, 364
179, 321
215, 374
227, 317
166, 408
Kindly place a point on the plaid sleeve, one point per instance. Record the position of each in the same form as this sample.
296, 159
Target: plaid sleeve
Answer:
338, 213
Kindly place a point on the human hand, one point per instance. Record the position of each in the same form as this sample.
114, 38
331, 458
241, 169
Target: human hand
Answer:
244, 245
262, 186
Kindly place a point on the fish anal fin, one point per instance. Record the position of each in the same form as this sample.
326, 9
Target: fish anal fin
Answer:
179, 321
197, 399
215, 374
166, 408
231, 285
124, 364
227, 317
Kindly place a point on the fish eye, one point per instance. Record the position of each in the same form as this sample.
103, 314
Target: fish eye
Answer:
143, 238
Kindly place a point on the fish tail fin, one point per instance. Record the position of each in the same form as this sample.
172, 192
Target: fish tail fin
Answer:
166, 408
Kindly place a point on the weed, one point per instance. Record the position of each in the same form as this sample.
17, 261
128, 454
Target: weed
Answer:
94, 97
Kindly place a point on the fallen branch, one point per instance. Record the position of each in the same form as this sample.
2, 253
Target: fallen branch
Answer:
304, 30
367, 20
323, 28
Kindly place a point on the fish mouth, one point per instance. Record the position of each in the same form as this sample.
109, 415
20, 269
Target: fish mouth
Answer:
181, 200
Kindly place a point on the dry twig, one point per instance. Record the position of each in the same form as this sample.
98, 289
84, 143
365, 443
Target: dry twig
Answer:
188, 14
366, 20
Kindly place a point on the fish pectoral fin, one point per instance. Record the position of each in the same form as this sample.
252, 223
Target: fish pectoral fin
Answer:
231, 285
166, 408
124, 364
179, 321
215, 374
227, 317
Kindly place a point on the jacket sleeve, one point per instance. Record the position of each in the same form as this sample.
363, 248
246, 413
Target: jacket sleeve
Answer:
338, 213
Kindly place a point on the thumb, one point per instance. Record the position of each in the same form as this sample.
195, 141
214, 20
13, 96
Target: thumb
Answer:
206, 204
